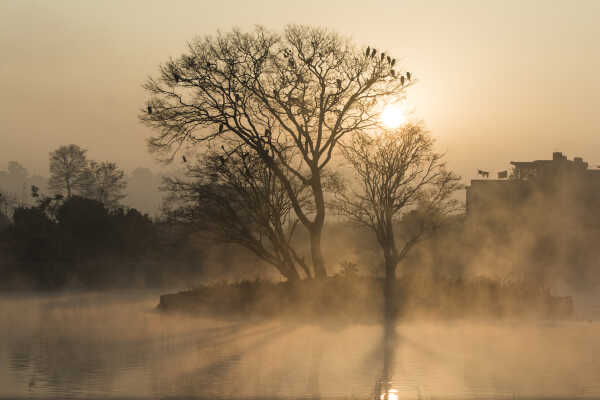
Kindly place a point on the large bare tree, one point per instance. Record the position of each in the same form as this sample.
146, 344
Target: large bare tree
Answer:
230, 197
300, 91
68, 166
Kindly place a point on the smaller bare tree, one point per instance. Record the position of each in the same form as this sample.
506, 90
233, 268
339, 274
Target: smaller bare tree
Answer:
404, 194
104, 182
404, 190
233, 198
68, 166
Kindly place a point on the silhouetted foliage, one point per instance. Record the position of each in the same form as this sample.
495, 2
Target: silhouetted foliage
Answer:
8, 202
80, 242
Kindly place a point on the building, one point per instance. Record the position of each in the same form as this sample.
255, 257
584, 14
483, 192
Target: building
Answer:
543, 184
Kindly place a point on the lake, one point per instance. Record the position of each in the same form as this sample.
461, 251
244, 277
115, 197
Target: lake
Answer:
115, 345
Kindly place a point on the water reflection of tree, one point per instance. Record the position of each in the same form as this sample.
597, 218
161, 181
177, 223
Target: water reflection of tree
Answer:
405, 194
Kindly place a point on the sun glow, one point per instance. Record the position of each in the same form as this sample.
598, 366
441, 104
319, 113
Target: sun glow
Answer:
392, 394
393, 116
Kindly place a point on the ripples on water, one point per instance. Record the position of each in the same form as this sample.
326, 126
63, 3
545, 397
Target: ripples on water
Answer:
116, 345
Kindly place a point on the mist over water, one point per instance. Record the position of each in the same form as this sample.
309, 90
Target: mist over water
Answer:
306, 204
92, 345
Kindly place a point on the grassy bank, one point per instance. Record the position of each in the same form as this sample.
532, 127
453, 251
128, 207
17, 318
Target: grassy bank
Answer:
355, 299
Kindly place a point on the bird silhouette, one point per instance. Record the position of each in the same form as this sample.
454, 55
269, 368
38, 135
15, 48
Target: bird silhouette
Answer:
184, 159
149, 109
368, 51
402, 80
408, 75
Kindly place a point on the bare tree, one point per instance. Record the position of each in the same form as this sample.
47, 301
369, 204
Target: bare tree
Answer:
402, 183
104, 182
298, 91
404, 190
233, 198
68, 165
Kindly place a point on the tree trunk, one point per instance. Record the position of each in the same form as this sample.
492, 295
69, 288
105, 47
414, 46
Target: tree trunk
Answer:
317, 254
288, 269
317, 227
68, 182
291, 274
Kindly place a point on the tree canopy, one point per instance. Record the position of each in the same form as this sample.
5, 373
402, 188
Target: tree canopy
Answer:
298, 91
68, 166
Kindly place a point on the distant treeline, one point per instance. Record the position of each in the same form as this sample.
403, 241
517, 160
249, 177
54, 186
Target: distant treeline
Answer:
141, 188
79, 242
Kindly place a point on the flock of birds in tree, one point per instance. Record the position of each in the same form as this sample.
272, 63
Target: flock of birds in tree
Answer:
391, 61
368, 53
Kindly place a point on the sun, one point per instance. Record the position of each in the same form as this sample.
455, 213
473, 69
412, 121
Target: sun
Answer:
393, 116
392, 394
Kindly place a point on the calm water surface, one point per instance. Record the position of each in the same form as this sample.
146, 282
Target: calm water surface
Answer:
116, 346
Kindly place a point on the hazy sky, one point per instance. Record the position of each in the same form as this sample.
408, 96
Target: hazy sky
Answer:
498, 81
